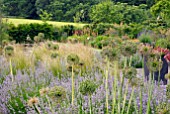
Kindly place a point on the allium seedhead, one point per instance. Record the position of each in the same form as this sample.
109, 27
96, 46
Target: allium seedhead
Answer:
128, 48
32, 101
4, 43
54, 55
41, 35
72, 59
154, 65
55, 47
163, 108
44, 91
57, 94
37, 39
9, 50
111, 53
145, 50
81, 63
49, 45
129, 72
87, 87
136, 82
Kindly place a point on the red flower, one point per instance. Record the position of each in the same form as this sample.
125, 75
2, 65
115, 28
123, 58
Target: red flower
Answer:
167, 57
162, 50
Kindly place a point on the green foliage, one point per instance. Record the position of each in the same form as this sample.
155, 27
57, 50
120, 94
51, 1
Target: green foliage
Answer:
25, 8
100, 42
87, 87
132, 30
128, 48
19, 33
111, 53
162, 9
69, 29
145, 38
137, 61
162, 42
3, 28
45, 16
109, 12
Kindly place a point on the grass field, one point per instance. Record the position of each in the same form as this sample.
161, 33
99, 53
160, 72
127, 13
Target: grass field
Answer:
28, 21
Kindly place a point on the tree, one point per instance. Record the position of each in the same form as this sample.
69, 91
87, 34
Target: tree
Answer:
109, 12
102, 12
161, 9
19, 8
45, 16
3, 27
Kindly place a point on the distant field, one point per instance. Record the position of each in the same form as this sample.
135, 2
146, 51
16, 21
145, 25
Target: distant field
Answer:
27, 21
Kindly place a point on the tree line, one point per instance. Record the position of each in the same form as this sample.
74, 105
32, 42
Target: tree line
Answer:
96, 11
61, 10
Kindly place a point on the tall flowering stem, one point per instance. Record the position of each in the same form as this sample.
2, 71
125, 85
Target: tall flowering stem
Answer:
11, 70
114, 88
106, 87
90, 104
72, 78
149, 95
124, 99
141, 103
130, 100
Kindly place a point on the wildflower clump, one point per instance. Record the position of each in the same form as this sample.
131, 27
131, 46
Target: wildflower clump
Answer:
87, 87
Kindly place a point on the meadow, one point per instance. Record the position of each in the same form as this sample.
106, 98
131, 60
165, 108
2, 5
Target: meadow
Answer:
71, 68
73, 78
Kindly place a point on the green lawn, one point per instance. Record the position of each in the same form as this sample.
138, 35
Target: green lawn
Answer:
27, 21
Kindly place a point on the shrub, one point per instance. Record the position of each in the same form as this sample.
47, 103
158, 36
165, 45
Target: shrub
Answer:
100, 41
69, 29
19, 33
87, 87
144, 38
163, 43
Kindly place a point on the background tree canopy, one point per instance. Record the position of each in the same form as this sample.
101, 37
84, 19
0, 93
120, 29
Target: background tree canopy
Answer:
97, 11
